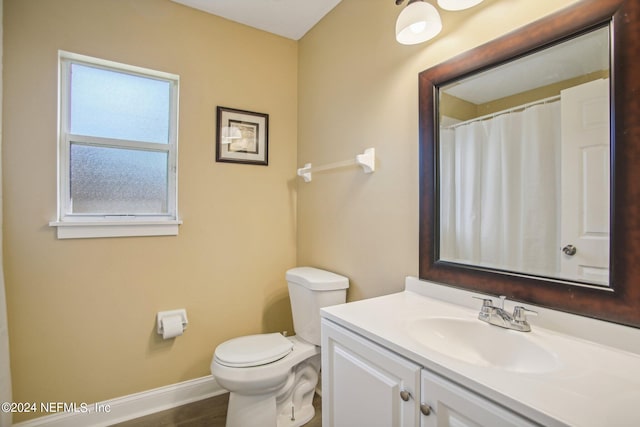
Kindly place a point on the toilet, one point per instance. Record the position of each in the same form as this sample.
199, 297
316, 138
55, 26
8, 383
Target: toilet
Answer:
271, 378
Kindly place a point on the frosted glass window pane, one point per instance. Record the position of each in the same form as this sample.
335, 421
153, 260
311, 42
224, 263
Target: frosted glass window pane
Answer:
118, 181
112, 104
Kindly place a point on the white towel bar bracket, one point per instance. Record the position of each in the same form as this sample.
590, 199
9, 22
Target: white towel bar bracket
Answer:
366, 160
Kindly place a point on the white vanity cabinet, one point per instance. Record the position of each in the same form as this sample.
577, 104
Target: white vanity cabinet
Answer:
450, 405
365, 384
427, 342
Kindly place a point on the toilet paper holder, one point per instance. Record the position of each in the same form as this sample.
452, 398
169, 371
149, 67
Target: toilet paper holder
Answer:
170, 313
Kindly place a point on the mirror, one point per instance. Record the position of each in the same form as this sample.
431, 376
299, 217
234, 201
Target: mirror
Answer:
529, 164
524, 163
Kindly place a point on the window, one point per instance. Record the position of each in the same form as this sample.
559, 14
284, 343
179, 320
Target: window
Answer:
117, 156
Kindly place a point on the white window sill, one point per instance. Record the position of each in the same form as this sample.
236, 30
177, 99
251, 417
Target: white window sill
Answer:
95, 229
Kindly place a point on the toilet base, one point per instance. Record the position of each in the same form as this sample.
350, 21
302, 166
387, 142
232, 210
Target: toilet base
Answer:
291, 406
251, 411
295, 402
300, 417
260, 411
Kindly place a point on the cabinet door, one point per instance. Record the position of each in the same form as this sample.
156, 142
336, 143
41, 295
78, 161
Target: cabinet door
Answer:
453, 406
362, 383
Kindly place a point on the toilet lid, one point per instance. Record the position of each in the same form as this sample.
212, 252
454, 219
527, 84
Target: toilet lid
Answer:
253, 350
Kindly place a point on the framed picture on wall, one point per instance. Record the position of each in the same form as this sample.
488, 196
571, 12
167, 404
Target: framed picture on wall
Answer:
242, 136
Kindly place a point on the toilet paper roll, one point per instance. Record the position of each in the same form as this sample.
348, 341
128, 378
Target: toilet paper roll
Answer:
171, 327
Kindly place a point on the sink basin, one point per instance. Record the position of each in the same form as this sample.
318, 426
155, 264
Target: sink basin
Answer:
478, 343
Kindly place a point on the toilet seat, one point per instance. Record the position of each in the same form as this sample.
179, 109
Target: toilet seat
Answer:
253, 350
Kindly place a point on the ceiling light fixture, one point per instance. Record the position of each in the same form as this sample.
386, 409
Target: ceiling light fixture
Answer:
420, 21
457, 4
417, 23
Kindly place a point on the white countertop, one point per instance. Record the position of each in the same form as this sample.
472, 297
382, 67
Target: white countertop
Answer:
594, 384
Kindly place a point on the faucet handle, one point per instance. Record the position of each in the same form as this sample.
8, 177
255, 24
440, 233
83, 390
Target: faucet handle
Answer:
486, 310
520, 313
486, 302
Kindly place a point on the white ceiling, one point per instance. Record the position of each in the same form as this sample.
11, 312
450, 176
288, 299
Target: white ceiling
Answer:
576, 57
287, 18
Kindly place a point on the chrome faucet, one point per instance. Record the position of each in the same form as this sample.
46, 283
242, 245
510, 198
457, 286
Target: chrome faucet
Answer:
499, 317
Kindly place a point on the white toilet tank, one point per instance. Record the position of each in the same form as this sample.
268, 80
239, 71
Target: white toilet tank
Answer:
310, 289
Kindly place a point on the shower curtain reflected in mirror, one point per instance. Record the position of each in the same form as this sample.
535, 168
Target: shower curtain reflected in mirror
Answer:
500, 191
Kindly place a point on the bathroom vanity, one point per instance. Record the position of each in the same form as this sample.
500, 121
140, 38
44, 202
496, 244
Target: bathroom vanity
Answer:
422, 358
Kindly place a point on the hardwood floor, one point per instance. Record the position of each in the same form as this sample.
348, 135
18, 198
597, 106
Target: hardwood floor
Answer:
210, 412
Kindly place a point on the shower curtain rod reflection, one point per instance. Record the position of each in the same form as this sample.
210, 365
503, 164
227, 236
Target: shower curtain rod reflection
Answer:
506, 111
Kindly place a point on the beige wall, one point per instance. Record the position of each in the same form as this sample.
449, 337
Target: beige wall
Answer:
358, 89
82, 312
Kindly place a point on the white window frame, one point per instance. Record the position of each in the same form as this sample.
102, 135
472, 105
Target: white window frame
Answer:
70, 225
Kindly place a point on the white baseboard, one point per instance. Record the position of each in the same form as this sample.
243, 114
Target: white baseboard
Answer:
132, 406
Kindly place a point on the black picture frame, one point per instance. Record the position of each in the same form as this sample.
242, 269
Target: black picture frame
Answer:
242, 136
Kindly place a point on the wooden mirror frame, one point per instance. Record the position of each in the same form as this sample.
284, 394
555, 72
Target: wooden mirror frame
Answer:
620, 302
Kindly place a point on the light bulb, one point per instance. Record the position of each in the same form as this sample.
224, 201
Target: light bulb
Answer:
418, 22
418, 27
